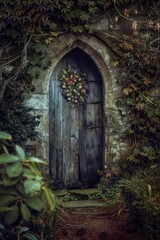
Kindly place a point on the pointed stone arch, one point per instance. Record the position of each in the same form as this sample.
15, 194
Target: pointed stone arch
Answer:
101, 55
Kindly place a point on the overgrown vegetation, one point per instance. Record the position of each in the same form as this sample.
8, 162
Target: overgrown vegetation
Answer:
142, 195
24, 195
140, 83
28, 27
17, 120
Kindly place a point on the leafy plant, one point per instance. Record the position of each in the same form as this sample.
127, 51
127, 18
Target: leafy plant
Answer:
22, 188
139, 81
142, 195
17, 120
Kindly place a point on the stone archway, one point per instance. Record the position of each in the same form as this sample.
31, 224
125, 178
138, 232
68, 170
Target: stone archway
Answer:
76, 133
114, 142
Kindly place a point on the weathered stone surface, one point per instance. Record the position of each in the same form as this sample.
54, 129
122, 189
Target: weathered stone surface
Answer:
42, 84
84, 203
102, 24
38, 101
114, 125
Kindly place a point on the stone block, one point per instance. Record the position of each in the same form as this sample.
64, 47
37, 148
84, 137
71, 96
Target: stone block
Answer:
38, 101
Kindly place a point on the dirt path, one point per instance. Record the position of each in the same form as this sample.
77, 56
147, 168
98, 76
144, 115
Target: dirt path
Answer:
95, 223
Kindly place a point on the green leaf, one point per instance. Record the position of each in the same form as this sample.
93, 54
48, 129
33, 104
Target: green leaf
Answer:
25, 212
5, 149
35, 160
35, 203
28, 173
14, 170
20, 152
30, 236
8, 158
50, 198
4, 135
20, 189
53, 26
39, 48
8, 182
12, 216
23, 229
8, 191
31, 186
136, 151
5, 209
6, 200
64, 71
33, 71
34, 168
2, 227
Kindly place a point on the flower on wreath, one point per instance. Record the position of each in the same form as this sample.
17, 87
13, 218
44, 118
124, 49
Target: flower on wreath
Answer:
74, 86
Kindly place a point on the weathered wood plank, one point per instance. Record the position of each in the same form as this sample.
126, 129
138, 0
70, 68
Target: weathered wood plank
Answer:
95, 92
94, 153
93, 115
74, 168
66, 115
82, 146
58, 129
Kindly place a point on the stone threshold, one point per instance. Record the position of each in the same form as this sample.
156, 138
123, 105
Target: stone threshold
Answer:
63, 192
84, 204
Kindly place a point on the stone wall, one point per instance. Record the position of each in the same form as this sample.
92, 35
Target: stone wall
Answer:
98, 48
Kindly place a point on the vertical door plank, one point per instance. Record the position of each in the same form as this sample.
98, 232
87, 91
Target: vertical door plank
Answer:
74, 163
66, 129
58, 130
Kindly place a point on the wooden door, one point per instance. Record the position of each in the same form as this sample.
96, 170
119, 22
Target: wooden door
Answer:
76, 134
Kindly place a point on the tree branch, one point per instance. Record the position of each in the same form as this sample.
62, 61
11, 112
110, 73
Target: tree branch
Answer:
21, 68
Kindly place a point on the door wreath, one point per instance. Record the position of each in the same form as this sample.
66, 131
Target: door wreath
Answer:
73, 85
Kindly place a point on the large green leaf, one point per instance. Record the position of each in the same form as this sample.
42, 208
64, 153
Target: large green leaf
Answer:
5, 209
25, 212
8, 182
12, 216
28, 173
14, 170
8, 158
20, 188
6, 200
50, 198
34, 168
31, 186
35, 160
20, 152
35, 203
8, 191
4, 135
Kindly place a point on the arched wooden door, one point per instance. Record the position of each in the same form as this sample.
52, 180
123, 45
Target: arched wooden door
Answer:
76, 134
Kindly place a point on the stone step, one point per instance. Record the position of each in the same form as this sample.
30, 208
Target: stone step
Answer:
64, 192
83, 204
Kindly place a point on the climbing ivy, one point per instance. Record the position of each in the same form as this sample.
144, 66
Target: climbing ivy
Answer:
140, 81
27, 27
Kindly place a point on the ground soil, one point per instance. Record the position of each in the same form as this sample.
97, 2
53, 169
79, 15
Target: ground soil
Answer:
96, 223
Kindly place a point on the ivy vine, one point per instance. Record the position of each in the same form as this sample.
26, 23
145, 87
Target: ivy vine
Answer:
140, 83
28, 27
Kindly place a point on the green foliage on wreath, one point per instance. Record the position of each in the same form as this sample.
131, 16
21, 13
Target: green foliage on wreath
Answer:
74, 86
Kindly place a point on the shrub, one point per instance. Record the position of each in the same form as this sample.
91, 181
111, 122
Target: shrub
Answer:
24, 194
142, 195
16, 119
